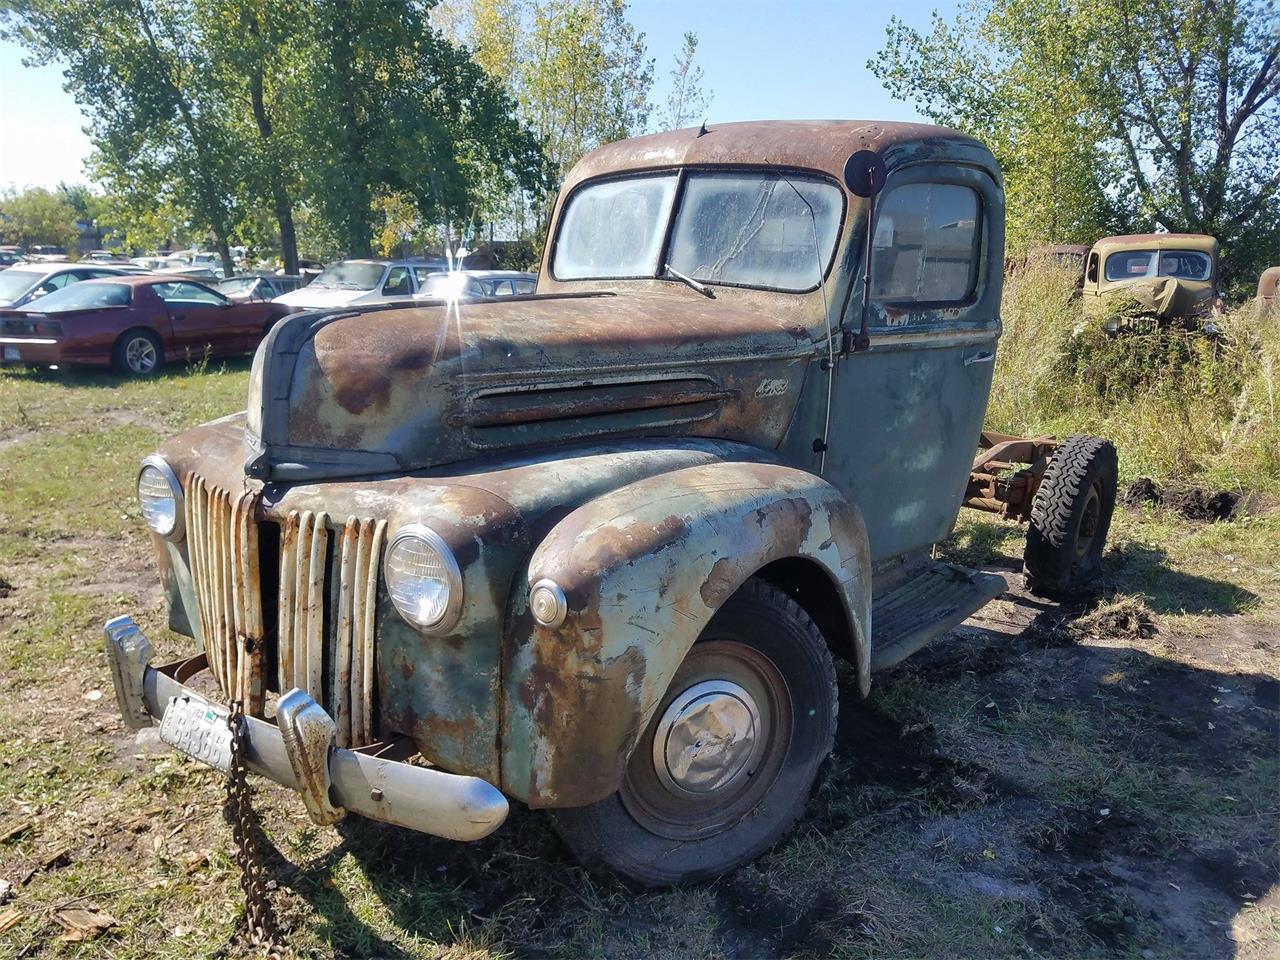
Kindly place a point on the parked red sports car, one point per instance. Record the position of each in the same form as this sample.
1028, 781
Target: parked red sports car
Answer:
134, 323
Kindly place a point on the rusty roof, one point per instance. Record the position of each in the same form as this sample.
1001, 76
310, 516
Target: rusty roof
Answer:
822, 145
1192, 241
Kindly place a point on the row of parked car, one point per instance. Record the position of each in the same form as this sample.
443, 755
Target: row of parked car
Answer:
100, 314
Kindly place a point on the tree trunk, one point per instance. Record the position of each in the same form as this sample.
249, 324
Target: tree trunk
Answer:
224, 251
279, 195
288, 235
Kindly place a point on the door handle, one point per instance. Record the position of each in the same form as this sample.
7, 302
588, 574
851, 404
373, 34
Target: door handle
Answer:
985, 356
183, 316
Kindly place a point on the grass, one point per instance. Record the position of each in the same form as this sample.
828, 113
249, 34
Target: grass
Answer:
960, 815
1178, 404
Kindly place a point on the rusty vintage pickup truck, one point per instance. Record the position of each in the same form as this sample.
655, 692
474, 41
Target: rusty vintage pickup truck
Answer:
595, 548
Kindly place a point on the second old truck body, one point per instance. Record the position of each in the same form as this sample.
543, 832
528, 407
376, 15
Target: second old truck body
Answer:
557, 543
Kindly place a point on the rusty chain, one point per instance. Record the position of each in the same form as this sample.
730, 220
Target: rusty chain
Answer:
246, 829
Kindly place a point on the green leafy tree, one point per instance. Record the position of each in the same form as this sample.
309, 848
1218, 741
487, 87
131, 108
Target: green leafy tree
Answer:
391, 105
138, 68
687, 103
1112, 114
578, 69
37, 216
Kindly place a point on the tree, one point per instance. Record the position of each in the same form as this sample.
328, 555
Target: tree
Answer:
578, 69
37, 216
138, 67
686, 103
1109, 114
226, 107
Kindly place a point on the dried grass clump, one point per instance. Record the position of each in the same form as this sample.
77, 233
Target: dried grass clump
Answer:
1121, 618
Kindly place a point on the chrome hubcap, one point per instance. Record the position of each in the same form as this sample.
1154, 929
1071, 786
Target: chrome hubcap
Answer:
708, 736
140, 354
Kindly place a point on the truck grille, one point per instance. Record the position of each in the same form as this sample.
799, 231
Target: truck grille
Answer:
327, 648
222, 545
325, 608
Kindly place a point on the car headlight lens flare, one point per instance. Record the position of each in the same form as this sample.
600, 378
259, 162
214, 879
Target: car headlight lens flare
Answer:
423, 579
159, 495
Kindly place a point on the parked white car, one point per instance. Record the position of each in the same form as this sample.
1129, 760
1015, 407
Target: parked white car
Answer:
476, 283
24, 282
362, 281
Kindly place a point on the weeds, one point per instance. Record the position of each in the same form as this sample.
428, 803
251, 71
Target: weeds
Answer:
1192, 405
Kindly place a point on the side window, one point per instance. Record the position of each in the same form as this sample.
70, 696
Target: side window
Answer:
524, 286
926, 244
397, 284
58, 281
420, 274
179, 292
501, 288
1091, 274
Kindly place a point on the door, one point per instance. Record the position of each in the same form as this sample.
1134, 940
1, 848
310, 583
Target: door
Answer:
397, 283
204, 322
907, 412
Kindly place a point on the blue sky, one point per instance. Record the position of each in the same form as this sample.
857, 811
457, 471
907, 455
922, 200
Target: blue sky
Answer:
782, 59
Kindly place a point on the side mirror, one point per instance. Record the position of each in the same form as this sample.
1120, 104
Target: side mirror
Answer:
864, 175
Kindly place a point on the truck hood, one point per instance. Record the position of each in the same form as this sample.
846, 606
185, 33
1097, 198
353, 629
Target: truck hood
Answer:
388, 389
1168, 298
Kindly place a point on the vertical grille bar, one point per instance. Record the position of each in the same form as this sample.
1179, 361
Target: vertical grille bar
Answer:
316, 570
335, 667
222, 549
341, 684
366, 607
287, 602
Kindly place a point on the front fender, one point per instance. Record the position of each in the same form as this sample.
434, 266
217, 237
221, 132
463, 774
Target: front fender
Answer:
643, 568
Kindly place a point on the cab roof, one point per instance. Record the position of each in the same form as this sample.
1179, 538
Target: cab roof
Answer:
823, 145
1158, 241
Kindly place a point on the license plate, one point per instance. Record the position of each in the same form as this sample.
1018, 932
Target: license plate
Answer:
11, 353
198, 729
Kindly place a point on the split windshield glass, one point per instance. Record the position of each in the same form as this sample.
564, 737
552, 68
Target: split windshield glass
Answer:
733, 228
1140, 264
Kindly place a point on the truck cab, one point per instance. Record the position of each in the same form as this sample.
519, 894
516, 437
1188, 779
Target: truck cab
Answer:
595, 549
1168, 276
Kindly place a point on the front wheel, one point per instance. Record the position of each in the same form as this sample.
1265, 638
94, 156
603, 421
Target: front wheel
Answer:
730, 755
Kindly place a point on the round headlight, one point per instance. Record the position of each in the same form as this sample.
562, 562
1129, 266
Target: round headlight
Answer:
423, 579
160, 496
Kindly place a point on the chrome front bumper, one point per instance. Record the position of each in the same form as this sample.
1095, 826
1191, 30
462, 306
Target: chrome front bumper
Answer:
298, 751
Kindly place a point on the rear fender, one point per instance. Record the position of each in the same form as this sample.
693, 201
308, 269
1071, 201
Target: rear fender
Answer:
643, 568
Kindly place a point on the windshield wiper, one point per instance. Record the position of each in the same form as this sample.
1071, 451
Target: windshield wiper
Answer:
702, 288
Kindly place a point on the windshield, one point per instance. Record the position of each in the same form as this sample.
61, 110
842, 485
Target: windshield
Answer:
740, 229
14, 283
350, 276
84, 296
1139, 264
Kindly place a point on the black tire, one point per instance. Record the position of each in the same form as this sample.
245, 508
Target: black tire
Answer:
652, 833
137, 354
1070, 517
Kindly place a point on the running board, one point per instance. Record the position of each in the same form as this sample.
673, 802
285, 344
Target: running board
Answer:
924, 606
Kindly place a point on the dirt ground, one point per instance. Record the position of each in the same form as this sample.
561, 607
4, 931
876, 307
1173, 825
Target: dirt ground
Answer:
1096, 779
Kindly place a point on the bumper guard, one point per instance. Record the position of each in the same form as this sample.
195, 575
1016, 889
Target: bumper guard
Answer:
300, 754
